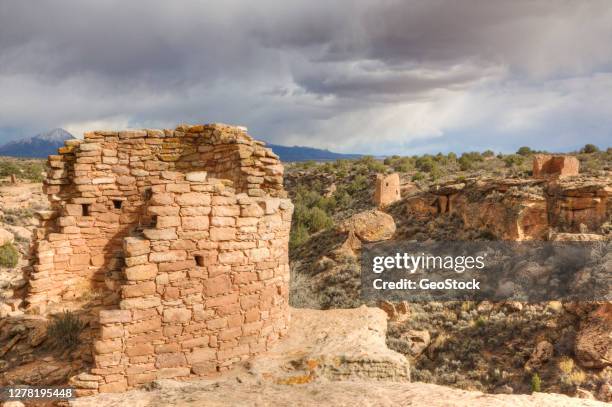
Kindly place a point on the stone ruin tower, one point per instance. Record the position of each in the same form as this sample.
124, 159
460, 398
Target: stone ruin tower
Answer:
387, 189
183, 234
555, 166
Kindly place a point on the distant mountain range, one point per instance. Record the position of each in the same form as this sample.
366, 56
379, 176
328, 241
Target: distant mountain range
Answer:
45, 144
297, 153
39, 146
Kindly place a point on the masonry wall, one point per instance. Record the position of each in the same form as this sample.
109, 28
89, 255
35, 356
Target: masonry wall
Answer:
555, 166
183, 233
387, 189
98, 189
207, 287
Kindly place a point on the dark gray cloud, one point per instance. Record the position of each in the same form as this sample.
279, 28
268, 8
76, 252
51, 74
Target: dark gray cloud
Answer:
427, 75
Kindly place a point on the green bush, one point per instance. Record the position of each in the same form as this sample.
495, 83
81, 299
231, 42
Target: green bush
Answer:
426, 163
299, 236
589, 149
524, 151
64, 330
359, 183
318, 220
419, 176
536, 383
468, 161
512, 160
30, 170
9, 256
372, 164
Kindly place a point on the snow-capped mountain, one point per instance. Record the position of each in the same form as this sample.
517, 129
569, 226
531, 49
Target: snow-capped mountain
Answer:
39, 146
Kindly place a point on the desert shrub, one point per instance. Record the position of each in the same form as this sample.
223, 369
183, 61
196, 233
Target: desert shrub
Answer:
372, 164
301, 293
30, 170
577, 377
358, 184
318, 220
65, 329
17, 216
419, 176
33, 171
536, 383
512, 160
9, 256
403, 164
299, 235
343, 199
524, 151
425, 163
566, 365
468, 161
307, 164
436, 173
589, 149
488, 153
480, 321
9, 168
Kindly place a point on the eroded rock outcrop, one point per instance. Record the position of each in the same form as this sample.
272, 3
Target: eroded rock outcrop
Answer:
520, 209
594, 341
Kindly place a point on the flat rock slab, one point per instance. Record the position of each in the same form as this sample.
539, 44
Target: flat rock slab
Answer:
344, 393
333, 344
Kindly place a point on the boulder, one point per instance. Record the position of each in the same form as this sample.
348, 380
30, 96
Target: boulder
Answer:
417, 341
6, 237
542, 353
593, 346
336, 344
370, 226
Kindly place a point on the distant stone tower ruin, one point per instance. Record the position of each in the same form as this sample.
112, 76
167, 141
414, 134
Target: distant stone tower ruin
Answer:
555, 166
387, 189
184, 235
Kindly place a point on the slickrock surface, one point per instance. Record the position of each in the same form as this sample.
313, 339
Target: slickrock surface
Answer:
345, 393
331, 343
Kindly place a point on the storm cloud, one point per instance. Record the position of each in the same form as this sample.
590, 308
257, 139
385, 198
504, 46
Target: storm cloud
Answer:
381, 77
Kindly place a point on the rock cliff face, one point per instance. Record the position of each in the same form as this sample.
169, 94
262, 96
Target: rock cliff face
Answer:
520, 209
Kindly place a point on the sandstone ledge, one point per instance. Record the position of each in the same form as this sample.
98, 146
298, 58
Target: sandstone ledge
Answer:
323, 393
333, 344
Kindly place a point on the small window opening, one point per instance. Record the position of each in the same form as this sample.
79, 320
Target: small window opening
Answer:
148, 194
85, 209
117, 203
153, 221
199, 259
387, 184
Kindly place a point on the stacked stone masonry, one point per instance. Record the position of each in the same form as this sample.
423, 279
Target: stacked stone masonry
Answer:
387, 189
184, 233
555, 166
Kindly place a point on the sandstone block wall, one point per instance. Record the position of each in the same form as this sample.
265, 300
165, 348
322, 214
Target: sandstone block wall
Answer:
206, 287
183, 233
555, 166
387, 189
